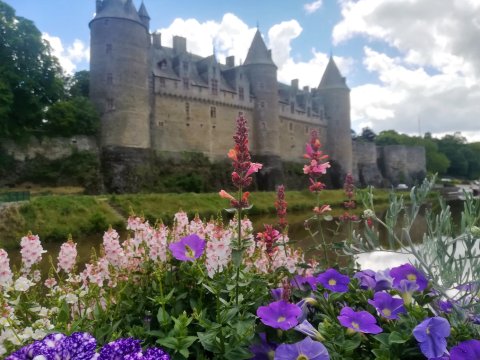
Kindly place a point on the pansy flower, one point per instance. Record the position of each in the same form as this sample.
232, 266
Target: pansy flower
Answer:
307, 349
279, 314
431, 333
188, 248
387, 306
359, 321
333, 280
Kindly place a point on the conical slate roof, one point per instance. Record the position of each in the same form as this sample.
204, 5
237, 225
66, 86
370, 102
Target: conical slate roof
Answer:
258, 52
332, 77
123, 9
142, 12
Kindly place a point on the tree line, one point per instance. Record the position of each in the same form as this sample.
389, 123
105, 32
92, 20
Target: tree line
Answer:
450, 155
36, 96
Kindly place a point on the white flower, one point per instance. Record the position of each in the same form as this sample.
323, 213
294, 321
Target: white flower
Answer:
368, 214
23, 284
71, 298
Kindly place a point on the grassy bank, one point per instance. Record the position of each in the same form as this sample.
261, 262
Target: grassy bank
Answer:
54, 217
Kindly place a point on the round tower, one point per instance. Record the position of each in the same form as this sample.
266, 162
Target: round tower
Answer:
262, 74
335, 97
119, 48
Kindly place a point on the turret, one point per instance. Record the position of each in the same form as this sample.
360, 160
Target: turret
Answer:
262, 75
143, 14
335, 96
119, 48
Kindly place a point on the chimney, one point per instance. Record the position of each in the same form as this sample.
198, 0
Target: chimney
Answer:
157, 40
294, 84
269, 52
230, 61
306, 89
179, 44
99, 5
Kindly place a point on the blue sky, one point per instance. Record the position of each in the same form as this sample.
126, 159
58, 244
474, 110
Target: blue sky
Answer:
407, 62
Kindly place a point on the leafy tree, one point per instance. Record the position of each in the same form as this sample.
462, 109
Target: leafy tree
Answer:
79, 84
30, 77
71, 117
368, 134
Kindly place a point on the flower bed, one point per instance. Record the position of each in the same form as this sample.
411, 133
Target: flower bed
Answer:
214, 290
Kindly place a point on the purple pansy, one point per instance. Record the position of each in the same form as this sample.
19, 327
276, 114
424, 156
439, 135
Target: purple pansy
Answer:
387, 306
264, 349
360, 321
469, 349
189, 248
279, 314
307, 349
120, 348
410, 273
431, 333
333, 280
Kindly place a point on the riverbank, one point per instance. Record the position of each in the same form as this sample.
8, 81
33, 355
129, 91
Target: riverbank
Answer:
54, 217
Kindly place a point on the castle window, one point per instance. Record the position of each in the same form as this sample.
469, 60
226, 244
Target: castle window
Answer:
110, 105
109, 79
214, 86
290, 126
292, 107
186, 83
187, 110
162, 82
108, 49
162, 64
213, 112
241, 94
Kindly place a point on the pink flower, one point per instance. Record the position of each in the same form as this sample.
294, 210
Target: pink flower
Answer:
254, 167
5, 271
113, 250
67, 256
225, 195
50, 283
322, 209
31, 251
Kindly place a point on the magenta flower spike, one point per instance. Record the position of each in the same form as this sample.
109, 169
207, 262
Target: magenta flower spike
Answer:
431, 333
333, 280
279, 315
387, 306
410, 273
359, 321
469, 349
188, 248
307, 349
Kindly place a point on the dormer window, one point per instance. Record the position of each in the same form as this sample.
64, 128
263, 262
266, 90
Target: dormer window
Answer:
162, 64
214, 87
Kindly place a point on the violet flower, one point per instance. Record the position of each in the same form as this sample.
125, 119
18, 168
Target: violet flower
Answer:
189, 248
410, 273
307, 349
431, 333
407, 288
301, 282
469, 349
445, 306
359, 321
120, 348
263, 350
149, 354
279, 314
387, 306
308, 329
366, 278
333, 280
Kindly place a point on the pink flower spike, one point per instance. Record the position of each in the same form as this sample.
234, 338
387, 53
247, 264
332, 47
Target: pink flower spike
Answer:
254, 167
322, 209
225, 195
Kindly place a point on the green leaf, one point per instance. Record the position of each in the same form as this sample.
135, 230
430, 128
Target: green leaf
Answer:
169, 342
397, 338
383, 338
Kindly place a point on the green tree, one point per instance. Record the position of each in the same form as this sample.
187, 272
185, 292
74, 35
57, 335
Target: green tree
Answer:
79, 84
30, 77
72, 117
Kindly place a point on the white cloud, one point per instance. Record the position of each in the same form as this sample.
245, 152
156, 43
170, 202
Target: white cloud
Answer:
434, 76
70, 57
312, 7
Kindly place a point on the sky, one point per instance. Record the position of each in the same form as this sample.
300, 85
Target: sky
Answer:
412, 65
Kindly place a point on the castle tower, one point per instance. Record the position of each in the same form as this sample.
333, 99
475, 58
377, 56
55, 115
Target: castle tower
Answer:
119, 72
119, 47
335, 96
262, 74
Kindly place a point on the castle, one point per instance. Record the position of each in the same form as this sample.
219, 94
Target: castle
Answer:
153, 98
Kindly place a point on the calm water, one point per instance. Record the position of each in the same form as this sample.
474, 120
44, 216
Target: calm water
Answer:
298, 234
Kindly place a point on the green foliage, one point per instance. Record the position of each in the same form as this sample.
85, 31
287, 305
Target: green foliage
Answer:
30, 77
7, 163
79, 84
75, 116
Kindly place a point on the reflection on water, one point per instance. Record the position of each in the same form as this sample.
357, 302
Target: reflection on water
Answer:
297, 233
